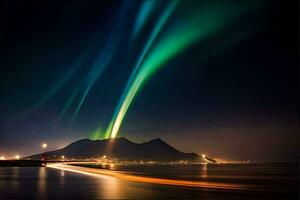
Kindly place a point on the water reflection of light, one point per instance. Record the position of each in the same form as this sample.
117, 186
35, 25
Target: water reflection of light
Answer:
42, 183
110, 189
16, 172
204, 170
111, 166
15, 181
62, 178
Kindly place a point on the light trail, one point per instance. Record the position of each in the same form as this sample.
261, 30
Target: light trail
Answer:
100, 173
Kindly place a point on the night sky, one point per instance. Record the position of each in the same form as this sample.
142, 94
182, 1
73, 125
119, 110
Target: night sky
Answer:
217, 77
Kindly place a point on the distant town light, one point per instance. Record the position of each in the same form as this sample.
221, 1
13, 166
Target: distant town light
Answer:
2, 158
111, 165
104, 156
44, 145
17, 157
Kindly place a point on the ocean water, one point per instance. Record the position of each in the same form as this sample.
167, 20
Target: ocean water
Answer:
267, 181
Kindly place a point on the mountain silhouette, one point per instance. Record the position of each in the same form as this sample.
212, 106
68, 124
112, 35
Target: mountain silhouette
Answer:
120, 148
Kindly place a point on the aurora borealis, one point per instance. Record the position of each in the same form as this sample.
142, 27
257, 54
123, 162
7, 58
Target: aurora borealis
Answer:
205, 71
134, 82
202, 24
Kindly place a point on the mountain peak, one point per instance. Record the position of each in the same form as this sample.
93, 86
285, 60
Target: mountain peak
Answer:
157, 140
82, 141
121, 148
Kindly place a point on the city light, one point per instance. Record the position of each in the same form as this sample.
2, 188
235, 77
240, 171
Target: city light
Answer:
63, 157
44, 145
2, 158
17, 157
111, 165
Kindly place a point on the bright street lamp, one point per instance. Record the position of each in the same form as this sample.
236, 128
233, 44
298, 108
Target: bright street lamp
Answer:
44, 145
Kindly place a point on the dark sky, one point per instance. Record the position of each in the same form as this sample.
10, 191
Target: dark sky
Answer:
232, 94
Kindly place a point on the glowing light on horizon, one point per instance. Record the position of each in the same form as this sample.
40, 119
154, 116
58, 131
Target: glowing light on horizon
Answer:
17, 157
191, 28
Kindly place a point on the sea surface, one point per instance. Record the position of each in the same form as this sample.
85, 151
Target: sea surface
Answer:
267, 181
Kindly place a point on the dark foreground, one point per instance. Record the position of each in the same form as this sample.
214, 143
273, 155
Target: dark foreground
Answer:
280, 180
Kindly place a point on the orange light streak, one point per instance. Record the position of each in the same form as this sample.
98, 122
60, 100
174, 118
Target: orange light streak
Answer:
100, 173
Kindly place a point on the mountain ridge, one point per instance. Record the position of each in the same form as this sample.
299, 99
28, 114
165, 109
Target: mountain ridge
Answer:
120, 148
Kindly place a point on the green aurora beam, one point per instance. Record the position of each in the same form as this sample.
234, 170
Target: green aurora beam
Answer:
146, 8
195, 26
62, 82
161, 22
105, 57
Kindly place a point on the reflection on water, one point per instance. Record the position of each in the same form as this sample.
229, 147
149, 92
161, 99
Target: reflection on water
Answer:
46, 183
62, 179
203, 171
42, 183
111, 189
15, 183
